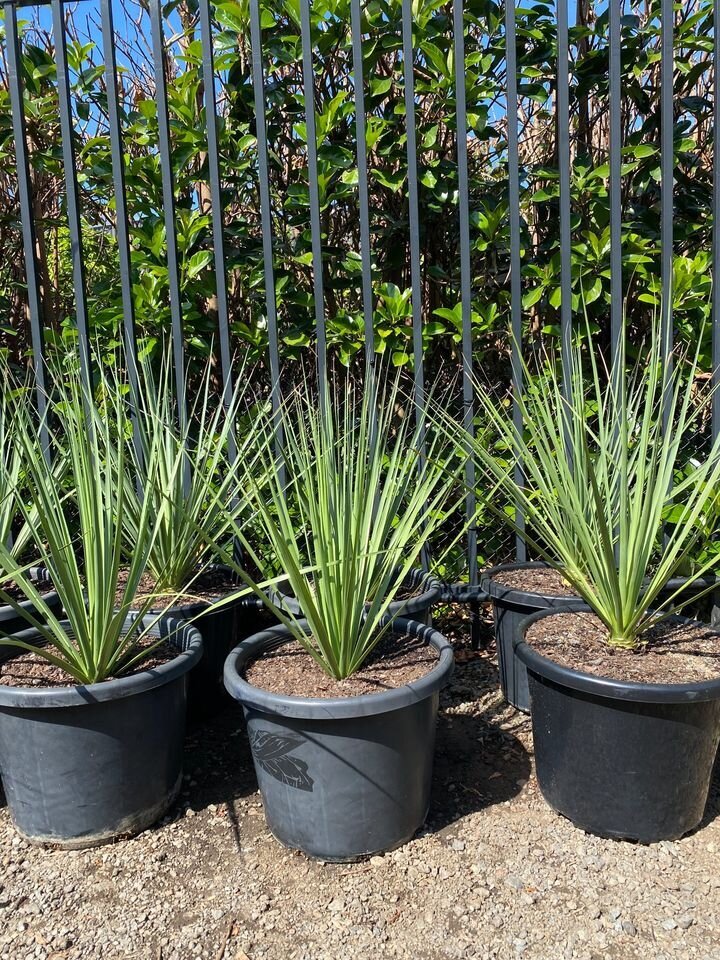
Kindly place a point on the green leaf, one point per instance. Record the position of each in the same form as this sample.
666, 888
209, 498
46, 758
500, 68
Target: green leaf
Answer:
197, 263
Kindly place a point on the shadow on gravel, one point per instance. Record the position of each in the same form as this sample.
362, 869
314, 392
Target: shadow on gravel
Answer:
712, 810
476, 766
478, 761
218, 764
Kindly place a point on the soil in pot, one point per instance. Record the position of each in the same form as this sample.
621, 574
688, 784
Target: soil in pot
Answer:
291, 671
344, 767
415, 597
211, 584
14, 592
674, 651
546, 581
30, 670
625, 740
402, 595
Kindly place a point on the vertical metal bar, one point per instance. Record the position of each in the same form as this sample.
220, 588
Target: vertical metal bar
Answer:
716, 225
266, 219
168, 195
563, 121
616, 306
360, 127
72, 198
414, 225
413, 204
515, 265
465, 290
218, 226
26, 216
666, 188
313, 184
121, 216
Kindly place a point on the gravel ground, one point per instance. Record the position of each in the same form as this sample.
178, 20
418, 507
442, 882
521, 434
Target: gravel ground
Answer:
495, 873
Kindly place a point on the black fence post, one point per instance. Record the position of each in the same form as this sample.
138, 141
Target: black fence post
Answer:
25, 196
72, 196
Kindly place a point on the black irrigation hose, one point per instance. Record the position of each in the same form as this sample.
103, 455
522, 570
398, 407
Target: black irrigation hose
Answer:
463, 593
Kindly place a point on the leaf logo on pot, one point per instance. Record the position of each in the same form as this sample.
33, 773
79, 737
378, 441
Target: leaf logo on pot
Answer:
272, 752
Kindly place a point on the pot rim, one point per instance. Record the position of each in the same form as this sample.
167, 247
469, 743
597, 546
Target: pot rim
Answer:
332, 708
432, 589
51, 597
185, 636
498, 591
627, 690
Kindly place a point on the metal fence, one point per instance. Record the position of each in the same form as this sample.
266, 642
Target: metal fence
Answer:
513, 174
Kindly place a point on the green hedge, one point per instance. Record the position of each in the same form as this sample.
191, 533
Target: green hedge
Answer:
386, 134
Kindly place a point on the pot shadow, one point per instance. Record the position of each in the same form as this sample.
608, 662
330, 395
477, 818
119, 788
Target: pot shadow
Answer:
476, 766
218, 766
712, 808
479, 760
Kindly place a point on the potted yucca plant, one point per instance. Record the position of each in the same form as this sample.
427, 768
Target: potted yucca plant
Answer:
625, 697
187, 476
92, 706
518, 589
521, 588
341, 699
15, 532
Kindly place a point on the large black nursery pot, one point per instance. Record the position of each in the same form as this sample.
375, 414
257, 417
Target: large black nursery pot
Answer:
510, 607
221, 628
83, 765
626, 760
343, 778
417, 607
13, 622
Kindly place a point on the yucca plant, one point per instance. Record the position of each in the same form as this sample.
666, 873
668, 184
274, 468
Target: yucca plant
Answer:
10, 475
348, 515
598, 469
15, 529
184, 474
77, 535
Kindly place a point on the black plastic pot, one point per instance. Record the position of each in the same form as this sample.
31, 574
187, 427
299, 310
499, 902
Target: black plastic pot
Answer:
418, 606
83, 765
347, 777
221, 629
13, 622
510, 607
623, 760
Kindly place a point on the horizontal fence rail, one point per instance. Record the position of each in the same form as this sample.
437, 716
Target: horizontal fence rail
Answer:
436, 188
